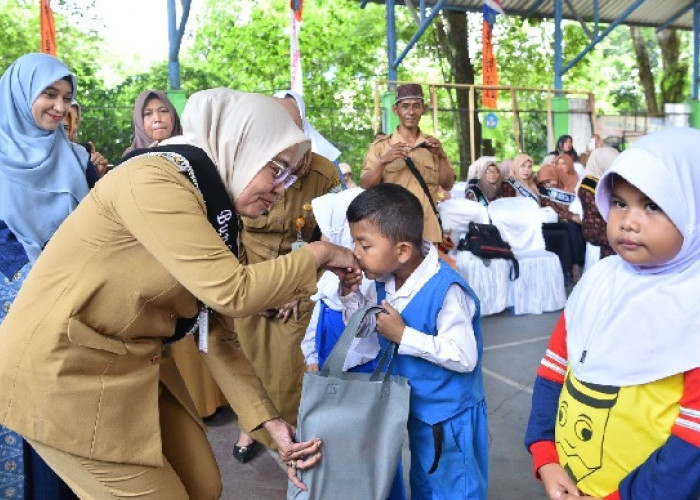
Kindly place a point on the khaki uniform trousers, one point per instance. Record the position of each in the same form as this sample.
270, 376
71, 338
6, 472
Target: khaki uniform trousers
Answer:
189, 467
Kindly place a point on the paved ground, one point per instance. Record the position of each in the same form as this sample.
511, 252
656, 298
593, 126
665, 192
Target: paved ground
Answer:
513, 348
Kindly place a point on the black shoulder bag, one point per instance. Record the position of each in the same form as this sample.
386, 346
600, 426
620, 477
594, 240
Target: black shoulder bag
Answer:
484, 241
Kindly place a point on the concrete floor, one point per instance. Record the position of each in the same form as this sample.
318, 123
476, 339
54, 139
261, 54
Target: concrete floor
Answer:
513, 346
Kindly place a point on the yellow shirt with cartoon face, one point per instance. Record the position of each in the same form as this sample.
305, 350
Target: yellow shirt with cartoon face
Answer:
602, 433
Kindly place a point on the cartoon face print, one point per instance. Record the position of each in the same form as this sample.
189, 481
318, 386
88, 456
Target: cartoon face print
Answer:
582, 419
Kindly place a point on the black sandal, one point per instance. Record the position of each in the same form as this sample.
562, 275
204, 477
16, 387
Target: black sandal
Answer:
245, 453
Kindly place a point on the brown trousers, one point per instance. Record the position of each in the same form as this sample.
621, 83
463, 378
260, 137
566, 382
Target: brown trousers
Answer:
189, 467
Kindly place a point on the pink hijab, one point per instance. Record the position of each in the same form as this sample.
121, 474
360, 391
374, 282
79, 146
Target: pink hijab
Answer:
568, 178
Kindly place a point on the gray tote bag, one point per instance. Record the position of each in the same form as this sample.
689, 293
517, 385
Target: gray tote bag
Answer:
361, 419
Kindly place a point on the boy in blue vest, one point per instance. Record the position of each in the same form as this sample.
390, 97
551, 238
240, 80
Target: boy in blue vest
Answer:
433, 316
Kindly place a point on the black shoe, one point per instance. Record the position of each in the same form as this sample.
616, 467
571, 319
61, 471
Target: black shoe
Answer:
245, 453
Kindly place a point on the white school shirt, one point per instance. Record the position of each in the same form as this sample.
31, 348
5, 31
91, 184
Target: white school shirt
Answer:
454, 346
328, 286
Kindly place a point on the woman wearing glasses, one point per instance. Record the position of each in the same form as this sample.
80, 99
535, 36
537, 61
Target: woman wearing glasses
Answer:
87, 374
272, 340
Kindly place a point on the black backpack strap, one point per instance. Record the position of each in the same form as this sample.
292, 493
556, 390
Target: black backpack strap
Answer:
412, 167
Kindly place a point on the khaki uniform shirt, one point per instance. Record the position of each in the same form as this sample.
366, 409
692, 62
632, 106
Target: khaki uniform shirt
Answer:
273, 346
82, 353
398, 173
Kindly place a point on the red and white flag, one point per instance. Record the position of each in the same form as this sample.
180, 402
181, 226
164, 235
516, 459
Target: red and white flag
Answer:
294, 52
489, 97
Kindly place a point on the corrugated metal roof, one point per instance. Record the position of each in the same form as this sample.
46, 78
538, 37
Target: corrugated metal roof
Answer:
650, 13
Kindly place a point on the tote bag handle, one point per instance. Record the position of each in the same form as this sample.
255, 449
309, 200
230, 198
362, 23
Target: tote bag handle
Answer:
334, 363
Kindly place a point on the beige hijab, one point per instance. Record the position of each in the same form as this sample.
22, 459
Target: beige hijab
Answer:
600, 160
240, 132
529, 184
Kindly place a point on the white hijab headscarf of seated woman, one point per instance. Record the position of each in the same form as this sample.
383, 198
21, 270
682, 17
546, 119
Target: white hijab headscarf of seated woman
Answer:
640, 324
240, 132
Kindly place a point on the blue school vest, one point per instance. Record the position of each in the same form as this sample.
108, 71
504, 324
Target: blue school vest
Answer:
437, 394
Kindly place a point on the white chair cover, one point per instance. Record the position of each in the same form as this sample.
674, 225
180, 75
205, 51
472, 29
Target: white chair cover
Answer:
488, 278
458, 191
540, 287
519, 222
548, 215
456, 215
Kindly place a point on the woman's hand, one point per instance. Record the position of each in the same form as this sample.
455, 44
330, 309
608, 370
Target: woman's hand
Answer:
335, 258
297, 456
100, 162
557, 482
312, 367
290, 310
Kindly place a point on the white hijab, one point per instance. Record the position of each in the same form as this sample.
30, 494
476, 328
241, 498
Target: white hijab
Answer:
640, 324
330, 213
240, 132
319, 144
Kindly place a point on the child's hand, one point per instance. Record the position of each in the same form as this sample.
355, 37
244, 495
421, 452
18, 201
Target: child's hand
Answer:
557, 482
312, 367
390, 323
350, 282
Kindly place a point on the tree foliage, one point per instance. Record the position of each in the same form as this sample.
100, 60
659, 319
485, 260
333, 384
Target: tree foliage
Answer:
245, 45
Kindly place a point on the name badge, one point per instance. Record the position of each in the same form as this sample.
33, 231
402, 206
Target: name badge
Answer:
203, 320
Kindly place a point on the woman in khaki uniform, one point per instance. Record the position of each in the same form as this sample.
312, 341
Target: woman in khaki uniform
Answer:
86, 377
272, 340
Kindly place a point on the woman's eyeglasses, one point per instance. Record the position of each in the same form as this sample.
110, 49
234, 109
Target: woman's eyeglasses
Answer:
283, 175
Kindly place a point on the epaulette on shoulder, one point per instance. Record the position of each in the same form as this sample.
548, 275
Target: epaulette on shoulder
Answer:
589, 183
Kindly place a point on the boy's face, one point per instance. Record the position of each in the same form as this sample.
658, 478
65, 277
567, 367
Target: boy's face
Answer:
638, 230
376, 253
409, 112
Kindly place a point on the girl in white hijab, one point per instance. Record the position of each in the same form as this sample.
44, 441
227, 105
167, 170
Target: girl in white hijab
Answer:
616, 404
327, 315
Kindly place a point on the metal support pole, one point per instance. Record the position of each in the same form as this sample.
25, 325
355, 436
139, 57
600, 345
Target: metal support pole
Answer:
596, 17
424, 26
391, 41
175, 38
558, 59
600, 37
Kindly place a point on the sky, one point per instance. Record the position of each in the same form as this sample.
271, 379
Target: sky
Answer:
136, 31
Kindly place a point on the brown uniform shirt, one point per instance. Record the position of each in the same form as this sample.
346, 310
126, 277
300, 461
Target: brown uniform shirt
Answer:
271, 235
398, 173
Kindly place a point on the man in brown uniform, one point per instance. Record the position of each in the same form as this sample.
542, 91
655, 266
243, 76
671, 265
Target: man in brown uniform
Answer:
271, 341
386, 159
